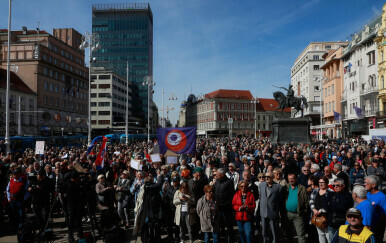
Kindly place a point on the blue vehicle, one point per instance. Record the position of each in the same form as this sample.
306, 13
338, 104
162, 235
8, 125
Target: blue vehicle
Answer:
112, 138
22, 143
134, 137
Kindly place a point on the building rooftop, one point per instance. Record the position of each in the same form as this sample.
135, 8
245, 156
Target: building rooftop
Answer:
17, 84
230, 94
20, 32
269, 105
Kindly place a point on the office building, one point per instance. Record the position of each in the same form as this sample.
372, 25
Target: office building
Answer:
52, 66
126, 34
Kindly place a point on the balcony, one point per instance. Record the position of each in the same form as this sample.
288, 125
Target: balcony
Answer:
381, 113
371, 112
370, 89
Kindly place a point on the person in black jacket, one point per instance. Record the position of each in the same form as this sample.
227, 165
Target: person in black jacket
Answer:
340, 174
169, 209
223, 192
338, 204
41, 194
152, 209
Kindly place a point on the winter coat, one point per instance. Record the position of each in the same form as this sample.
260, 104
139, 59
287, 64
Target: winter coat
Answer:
203, 211
224, 191
191, 205
237, 203
270, 205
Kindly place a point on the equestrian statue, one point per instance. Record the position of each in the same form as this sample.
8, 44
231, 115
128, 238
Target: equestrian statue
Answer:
289, 101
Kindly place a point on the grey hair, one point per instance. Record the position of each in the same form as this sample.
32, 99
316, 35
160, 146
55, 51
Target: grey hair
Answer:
315, 167
339, 180
221, 171
338, 166
360, 192
373, 179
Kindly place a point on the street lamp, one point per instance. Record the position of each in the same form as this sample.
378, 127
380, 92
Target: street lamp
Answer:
92, 42
62, 129
7, 141
148, 80
255, 100
127, 103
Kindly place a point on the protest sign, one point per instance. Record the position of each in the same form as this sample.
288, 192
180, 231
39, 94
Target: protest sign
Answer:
39, 147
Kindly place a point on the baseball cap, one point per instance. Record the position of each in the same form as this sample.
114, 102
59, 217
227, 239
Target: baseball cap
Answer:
353, 212
197, 169
359, 182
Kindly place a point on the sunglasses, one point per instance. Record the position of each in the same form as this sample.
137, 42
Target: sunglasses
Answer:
336, 185
267, 177
261, 177
353, 216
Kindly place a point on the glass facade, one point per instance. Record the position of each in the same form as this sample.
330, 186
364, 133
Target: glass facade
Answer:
126, 34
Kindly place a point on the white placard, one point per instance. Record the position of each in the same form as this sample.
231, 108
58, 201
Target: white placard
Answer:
135, 164
39, 147
155, 158
171, 160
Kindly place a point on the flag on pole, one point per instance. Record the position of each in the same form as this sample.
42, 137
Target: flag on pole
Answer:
93, 143
180, 140
100, 160
337, 116
359, 112
349, 66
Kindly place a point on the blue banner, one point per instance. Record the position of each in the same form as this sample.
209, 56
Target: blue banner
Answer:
359, 112
180, 140
337, 116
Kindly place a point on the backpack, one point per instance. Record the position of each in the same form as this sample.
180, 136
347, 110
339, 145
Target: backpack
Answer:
26, 232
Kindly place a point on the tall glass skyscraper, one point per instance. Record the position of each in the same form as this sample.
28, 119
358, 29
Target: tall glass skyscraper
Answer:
126, 34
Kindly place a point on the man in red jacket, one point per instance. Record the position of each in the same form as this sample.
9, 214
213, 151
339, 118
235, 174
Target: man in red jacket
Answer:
16, 190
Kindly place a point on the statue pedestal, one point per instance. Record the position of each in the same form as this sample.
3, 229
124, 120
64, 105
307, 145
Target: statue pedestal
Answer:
287, 130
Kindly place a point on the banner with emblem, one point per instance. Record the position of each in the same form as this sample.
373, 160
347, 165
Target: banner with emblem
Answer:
180, 140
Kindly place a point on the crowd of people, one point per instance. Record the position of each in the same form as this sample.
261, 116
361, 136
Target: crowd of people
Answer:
326, 191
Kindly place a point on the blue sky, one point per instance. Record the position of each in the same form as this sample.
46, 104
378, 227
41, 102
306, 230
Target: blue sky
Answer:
205, 45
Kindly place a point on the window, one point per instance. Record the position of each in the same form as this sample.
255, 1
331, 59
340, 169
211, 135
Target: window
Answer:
332, 89
93, 104
93, 95
382, 56
103, 103
45, 100
382, 82
333, 105
316, 67
45, 84
51, 87
316, 57
104, 86
371, 57
328, 48
104, 76
325, 92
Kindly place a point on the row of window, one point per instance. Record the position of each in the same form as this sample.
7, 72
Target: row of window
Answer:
66, 104
210, 125
14, 101
65, 90
62, 77
330, 106
64, 53
101, 113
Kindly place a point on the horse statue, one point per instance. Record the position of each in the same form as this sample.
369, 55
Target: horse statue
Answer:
296, 102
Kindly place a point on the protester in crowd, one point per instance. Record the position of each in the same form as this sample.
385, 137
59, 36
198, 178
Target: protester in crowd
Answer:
271, 200
123, 197
207, 211
319, 205
356, 173
168, 192
184, 202
244, 205
355, 231
340, 174
303, 177
376, 169
233, 174
278, 177
296, 205
338, 203
359, 195
378, 200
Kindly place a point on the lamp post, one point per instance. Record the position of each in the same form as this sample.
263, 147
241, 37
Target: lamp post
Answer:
148, 80
92, 42
255, 100
7, 141
127, 103
171, 97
